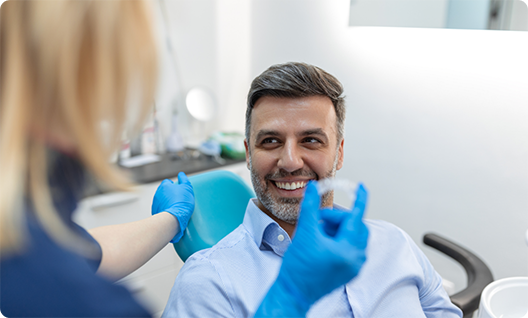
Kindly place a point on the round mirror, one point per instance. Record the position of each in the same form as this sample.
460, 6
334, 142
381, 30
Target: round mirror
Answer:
200, 103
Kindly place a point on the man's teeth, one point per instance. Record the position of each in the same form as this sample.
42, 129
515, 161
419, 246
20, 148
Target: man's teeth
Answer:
291, 185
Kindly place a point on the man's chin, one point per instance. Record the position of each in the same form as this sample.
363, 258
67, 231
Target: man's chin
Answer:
288, 210
288, 219
283, 208
292, 222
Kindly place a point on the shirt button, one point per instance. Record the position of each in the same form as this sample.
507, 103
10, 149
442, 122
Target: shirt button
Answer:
280, 237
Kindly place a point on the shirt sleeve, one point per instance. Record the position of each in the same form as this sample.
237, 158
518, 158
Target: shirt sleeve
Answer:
198, 292
433, 297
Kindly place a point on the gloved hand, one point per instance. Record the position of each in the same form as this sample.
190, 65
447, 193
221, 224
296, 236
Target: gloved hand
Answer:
177, 199
327, 251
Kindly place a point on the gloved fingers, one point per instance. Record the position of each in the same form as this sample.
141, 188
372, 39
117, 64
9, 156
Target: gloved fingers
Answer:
359, 227
330, 228
157, 200
183, 179
166, 181
309, 206
361, 199
154, 207
334, 216
353, 231
362, 235
331, 219
359, 211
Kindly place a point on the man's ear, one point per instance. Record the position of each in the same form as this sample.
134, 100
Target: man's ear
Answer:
341, 154
247, 152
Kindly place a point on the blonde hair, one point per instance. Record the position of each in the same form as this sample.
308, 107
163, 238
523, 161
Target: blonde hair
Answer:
67, 67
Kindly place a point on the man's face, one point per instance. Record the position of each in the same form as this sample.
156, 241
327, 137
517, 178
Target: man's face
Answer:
292, 141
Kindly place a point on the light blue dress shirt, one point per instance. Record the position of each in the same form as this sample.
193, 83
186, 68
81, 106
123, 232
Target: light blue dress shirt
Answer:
231, 278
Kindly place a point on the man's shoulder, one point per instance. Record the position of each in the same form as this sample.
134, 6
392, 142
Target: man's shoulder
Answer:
383, 232
382, 226
202, 267
210, 282
203, 287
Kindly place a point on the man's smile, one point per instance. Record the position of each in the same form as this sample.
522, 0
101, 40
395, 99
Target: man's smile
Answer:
290, 188
291, 185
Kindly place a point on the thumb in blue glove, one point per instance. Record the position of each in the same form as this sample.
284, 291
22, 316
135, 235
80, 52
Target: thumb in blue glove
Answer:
176, 199
327, 251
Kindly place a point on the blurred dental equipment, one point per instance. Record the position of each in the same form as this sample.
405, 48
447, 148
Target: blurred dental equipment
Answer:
201, 105
212, 148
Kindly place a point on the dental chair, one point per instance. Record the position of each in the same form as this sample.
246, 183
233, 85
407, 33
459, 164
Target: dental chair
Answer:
477, 272
221, 198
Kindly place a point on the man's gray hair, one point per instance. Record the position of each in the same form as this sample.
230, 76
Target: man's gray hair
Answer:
294, 80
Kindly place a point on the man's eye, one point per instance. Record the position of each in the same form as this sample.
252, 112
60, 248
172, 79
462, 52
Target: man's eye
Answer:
269, 141
311, 140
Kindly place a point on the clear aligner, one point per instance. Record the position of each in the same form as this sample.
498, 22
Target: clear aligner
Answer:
327, 185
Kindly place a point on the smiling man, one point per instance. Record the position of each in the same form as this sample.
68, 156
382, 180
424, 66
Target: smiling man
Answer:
294, 134
290, 141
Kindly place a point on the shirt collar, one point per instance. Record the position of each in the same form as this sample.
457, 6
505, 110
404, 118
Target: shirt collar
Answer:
266, 233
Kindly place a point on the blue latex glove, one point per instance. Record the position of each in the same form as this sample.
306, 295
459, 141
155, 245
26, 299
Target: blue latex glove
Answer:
327, 251
177, 199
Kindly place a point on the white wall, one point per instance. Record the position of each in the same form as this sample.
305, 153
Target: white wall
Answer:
211, 50
190, 26
446, 138
437, 123
234, 61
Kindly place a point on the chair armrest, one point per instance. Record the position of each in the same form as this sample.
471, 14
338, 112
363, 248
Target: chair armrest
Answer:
478, 273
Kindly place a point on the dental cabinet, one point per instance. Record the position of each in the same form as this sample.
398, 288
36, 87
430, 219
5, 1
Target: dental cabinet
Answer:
150, 284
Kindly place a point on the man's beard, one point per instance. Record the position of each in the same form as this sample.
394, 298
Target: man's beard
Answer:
287, 209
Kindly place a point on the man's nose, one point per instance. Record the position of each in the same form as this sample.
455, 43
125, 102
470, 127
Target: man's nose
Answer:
290, 158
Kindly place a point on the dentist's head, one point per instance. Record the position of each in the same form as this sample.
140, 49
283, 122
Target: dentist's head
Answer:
70, 71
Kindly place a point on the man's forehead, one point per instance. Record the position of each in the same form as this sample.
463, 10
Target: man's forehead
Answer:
314, 99
274, 114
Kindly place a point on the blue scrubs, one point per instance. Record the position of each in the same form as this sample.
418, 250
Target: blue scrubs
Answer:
47, 280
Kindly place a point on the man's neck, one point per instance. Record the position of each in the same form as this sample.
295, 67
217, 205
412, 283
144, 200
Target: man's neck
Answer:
288, 227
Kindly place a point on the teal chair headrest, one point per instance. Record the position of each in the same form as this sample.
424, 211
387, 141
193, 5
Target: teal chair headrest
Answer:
221, 198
